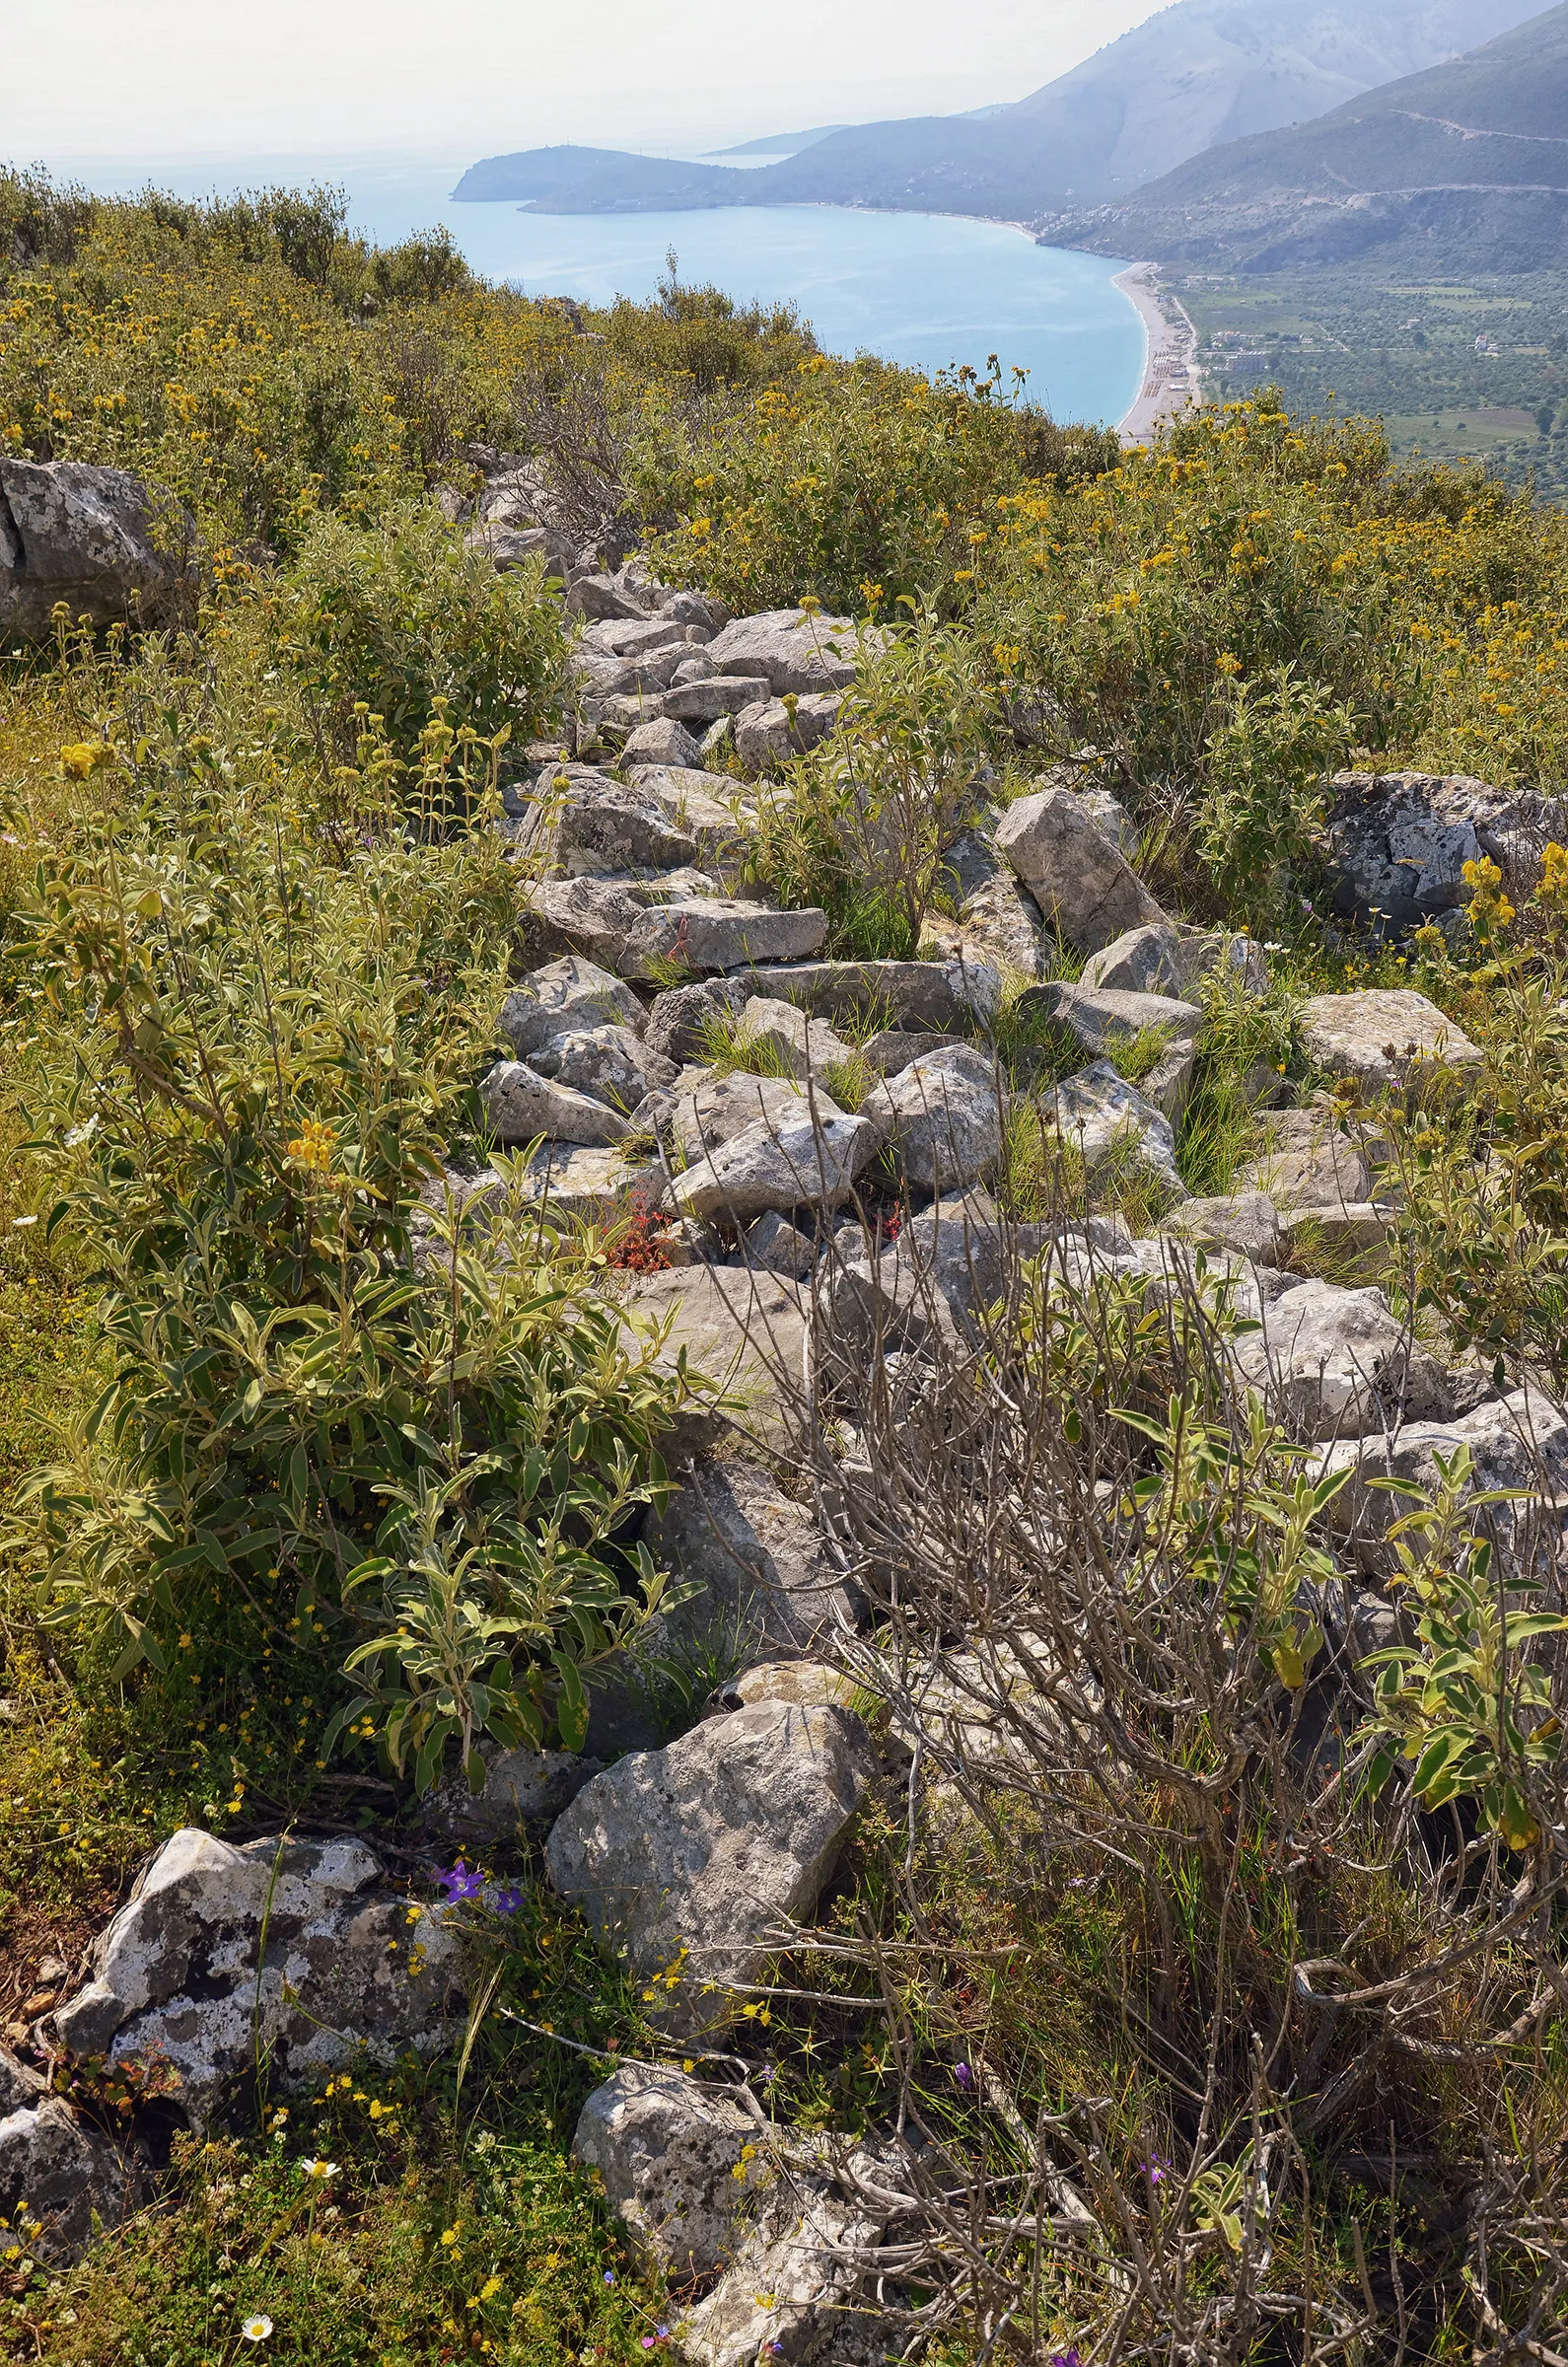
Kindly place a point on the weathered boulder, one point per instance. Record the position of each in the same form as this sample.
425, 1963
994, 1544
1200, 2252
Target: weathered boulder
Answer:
1100, 1016
597, 595
1245, 1224
745, 1330
632, 637
1398, 842
1384, 1036
640, 929
1338, 1364
1519, 1441
96, 538
690, 1858
607, 826
1156, 959
569, 994
806, 1047
717, 694
679, 1020
942, 996
1078, 877
1307, 1161
766, 1578
608, 1063
181, 1974
522, 1106
1004, 921
522, 1788
780, 1247
892, 1048
668, 2148
716, 1107
806, 1162
663, 741
1111, 819
1106, 1120
720, 834
789, 650
72, 2180
787, 2289
942, 1117
768, 732
599, 1183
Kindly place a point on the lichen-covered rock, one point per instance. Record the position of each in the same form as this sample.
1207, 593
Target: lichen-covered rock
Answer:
1106, 1120
944, 997
780, 1247
1246, 1224
804, 1045
668, 2147
1398, 842
717, 694
768, 732
765, 1577
1338, 1364
95, 537
177, 1975
1383, 1037
807, 1161
942, 1119
690, 1858
1081, 882
721, 835
522, 1106
680, 1019
606, 827
569, 994
1517, 1442
663, 742
642, 929
72, 2178
1307, 1161
788, 650
746, 1331
609, 1063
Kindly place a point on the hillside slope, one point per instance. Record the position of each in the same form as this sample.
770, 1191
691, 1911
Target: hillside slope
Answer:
1468, 158
1200, 73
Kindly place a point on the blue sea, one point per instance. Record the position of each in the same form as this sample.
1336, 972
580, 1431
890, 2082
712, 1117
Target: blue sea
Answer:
933, 290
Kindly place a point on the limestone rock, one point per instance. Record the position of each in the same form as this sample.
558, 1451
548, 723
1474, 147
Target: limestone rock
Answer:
71, 2179
522, 1106
1383, 1036
663, 741
630, 637
688, 1858
719, 694
1003, 919
599, 1184
679, 1018
946, 997
1244, 1223
942, 1117
807, 1162
639, 931
1518, 1441
1112, 819
801, 1680
609, 1063
1337, 1364
597, 595
789, 650
716, 1107
786, 2291
806, 1045
762, 1564
568, 993
892, 1048
1078, 877
90, 537
19, 2087
1100, 1016
1106, 1120
666, 2147
1307, 1161
1398, 842
176, 1973
780, 1247
745, 1330
768, 732
609, 827
720, 834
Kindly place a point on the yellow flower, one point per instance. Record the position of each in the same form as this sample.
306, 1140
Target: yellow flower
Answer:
83, 757
312, 1148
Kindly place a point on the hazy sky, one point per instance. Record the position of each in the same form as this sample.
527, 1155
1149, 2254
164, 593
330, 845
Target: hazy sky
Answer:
156, 80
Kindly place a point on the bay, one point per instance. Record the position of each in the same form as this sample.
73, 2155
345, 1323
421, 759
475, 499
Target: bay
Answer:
934, 290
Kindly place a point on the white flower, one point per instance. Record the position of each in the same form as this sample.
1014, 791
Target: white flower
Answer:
315, 2168
257, 2328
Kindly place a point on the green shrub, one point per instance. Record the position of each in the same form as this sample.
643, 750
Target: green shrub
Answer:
399, 618
264, 1050
872, 808
1265, 793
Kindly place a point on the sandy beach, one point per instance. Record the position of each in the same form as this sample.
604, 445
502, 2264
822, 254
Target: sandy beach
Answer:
1169, 380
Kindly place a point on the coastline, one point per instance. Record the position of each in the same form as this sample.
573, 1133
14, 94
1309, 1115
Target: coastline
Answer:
1170, 382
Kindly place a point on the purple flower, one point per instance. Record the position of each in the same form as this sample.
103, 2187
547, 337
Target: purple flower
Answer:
1153, 2170
1066, 2358
459, 1882
609, 2276
504, 1902
965, 2077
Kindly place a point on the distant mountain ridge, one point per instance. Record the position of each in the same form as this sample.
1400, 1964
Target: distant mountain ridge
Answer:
1468, 158
1200, 74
